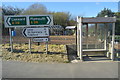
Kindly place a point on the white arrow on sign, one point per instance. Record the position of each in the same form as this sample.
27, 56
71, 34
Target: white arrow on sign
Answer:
40, 39
8, 21
36, 32
48, 20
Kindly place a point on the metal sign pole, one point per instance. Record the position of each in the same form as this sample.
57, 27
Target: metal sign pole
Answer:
30, 45
46, 47
11, 43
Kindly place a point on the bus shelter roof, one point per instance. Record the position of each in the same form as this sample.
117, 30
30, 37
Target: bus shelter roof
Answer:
99, 20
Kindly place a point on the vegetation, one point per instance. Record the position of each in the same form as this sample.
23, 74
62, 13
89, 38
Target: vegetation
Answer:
117, 29
105, 12
21, 53
60, 18
109, 13
56, 52
35, 9
0, 20
9, 10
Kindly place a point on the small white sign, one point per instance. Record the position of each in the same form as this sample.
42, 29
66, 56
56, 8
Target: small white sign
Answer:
36, 32
40, 39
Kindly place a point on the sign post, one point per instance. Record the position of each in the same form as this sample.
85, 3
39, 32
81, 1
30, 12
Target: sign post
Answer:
29, 45
30, 21
46, 47
11, 43
42, 40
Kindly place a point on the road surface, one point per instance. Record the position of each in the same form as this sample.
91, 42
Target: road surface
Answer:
17, 69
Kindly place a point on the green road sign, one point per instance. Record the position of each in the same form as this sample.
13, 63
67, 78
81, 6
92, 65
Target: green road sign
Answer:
28, 20
16, 21
39, 20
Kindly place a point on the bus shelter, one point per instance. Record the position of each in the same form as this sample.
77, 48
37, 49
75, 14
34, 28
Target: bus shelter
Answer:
95, 36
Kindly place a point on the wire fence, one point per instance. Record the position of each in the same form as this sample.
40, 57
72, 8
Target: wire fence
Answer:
53, 39
56, 37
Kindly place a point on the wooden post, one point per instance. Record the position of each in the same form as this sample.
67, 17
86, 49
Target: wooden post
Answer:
96, 41
105, 43
113, 38
108, 53
79, 37
87, 36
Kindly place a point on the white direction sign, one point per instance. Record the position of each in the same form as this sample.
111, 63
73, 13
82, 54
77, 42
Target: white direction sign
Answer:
36, 32
40, 39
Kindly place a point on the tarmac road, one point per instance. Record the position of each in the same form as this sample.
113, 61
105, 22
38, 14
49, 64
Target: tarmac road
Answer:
16, 69
0, 68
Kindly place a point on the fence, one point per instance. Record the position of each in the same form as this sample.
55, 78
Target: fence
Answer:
53, 39
57, 36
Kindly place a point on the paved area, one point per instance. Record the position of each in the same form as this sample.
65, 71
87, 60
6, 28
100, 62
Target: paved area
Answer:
16, 69
0, 68
98, 58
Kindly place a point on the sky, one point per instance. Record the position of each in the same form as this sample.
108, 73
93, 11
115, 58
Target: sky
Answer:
86, 9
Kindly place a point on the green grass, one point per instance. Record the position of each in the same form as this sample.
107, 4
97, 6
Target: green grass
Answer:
57, 53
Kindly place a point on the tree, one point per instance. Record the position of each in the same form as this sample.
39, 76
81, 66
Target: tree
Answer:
0, 21
61, 18
72, 22
35, 9
0, 15
117, 28
117, 14
9, 10
105, 12
109, 13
